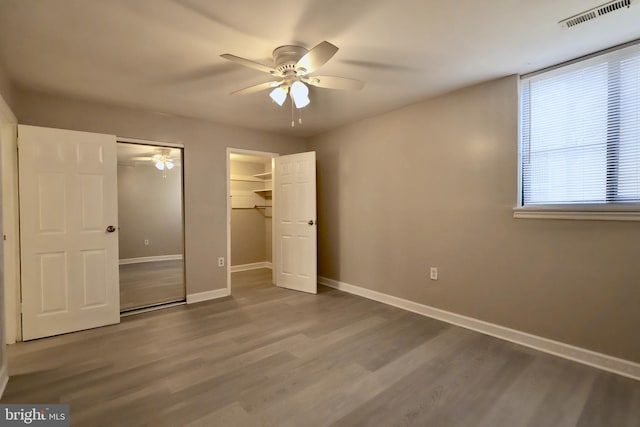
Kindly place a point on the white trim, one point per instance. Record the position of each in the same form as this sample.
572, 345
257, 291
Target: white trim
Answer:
148, 142
4, 378
156, 258
207, 295
252, 266
528, 213
519, 121
605, 362
580, 59
10, 214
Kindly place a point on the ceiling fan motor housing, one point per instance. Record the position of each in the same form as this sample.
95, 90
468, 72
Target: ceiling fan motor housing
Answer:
286, 57
292, 65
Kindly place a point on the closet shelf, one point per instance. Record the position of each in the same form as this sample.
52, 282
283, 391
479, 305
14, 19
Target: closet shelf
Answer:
247, 178
263, 192
264, 176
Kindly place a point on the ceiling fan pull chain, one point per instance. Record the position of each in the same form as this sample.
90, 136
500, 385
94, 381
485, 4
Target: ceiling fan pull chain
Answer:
300, 116
293, 123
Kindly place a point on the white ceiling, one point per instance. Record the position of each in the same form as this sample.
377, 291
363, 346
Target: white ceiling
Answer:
163, 55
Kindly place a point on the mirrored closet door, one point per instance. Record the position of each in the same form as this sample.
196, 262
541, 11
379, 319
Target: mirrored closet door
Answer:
150, 217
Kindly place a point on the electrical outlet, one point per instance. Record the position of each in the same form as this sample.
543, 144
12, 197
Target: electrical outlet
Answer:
433, 273
146, 242
221, 262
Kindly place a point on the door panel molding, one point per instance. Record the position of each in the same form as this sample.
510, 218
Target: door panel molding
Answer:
294, 194
69, 263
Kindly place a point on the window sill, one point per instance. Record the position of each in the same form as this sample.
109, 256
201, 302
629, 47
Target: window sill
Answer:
588, 215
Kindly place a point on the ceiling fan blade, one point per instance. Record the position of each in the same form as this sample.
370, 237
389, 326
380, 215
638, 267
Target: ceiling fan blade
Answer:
256, 88
316, 57
140, 158
331, 82
250, 64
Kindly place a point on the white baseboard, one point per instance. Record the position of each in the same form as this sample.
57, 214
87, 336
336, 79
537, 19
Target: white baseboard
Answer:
150, 259
605, 362
4, 379
254, 266
208, 295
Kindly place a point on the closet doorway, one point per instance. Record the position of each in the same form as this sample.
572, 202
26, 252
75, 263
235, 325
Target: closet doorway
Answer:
150, 218
250, 202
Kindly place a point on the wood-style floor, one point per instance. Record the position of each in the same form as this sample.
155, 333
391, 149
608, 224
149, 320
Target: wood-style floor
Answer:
149, 283
273, 357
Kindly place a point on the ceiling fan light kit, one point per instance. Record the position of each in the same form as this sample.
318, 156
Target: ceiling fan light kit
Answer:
279, 95
292, 64
300, 94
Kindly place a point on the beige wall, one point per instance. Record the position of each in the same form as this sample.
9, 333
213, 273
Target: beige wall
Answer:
204, 165
434, 184
247, 237
268, 234
149, 207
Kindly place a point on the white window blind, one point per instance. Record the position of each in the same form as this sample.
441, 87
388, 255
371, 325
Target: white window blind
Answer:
580, 130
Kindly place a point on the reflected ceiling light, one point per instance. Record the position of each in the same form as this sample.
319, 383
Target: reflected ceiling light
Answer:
279, 95
162, 163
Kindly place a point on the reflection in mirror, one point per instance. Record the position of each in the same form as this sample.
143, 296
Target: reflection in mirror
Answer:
150, 237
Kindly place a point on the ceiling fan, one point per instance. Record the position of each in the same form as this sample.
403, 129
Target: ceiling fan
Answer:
161, 160
292, 66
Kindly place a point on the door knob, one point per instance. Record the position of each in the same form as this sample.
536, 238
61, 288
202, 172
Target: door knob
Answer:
310, 222
111, 229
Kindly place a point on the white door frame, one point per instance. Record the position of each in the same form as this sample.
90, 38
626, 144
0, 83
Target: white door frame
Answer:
10, 219
228, 177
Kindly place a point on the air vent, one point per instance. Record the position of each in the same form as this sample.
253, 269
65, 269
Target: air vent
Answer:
594, 13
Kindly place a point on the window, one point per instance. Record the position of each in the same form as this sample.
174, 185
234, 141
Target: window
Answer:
580, 134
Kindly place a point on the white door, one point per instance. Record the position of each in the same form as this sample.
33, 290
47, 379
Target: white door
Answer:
68, 199
294, 186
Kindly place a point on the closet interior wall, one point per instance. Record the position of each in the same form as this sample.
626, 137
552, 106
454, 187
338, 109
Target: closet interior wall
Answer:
250, 211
